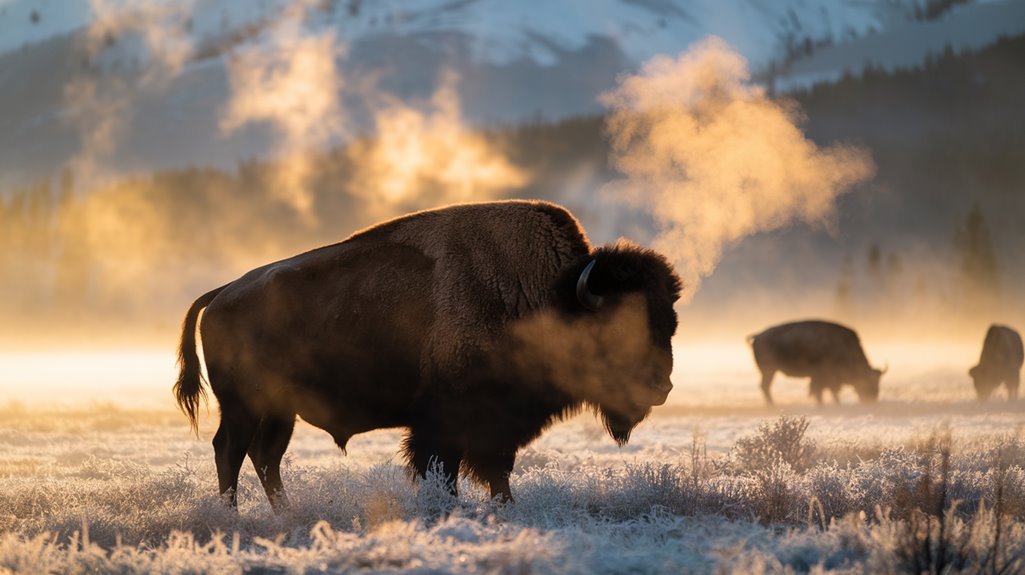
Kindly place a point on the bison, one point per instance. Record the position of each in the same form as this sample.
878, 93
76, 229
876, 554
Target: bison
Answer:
1000, 362
830, 354
475, 327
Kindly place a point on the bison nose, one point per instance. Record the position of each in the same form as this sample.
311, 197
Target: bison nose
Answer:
661, 387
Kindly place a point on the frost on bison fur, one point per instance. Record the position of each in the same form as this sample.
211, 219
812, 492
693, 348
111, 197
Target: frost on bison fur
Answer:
829, 353
474, 326
1000, 362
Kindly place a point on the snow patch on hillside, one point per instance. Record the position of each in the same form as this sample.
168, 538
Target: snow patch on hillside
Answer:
502, 32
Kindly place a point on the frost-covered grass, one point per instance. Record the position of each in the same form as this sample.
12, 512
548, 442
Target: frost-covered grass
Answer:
124, 487
846, 489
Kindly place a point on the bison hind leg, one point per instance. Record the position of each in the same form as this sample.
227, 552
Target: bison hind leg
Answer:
266, 450
767, 375
230, 445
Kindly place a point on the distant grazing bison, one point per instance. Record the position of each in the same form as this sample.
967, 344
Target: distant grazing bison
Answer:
1000, 362
474, 326
830, 354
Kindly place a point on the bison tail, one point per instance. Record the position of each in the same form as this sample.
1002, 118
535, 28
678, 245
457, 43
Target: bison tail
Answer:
189, 388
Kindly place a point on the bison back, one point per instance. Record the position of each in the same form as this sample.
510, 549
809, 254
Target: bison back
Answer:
802, 348
369, 324
326, 332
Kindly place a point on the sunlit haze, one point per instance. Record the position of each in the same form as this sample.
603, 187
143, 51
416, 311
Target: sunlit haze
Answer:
389, 286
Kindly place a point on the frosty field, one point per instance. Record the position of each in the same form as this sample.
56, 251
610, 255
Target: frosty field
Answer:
928, 479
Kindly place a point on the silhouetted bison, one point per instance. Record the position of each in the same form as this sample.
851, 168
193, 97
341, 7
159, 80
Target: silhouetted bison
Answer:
830, 354
474, 326
1000, 362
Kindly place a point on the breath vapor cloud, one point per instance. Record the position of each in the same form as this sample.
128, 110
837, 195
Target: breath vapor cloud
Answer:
714, 159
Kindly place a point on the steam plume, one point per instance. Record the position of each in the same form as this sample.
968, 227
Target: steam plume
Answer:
424, 157
715, 160
291, 82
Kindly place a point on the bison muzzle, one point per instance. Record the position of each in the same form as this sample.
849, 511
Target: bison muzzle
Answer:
473, 326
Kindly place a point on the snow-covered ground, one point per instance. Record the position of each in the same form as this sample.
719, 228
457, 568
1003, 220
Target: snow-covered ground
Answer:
99, 472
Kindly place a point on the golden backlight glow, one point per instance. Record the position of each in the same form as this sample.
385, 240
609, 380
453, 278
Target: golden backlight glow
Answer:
708, 375
292, 130
69, 377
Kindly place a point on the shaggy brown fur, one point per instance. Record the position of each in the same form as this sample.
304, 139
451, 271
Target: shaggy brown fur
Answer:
460, 324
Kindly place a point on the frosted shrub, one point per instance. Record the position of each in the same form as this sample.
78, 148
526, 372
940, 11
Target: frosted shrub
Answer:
433, 496
639, 490
780, 441
775, 498
1013, 486
835, 492
877, 480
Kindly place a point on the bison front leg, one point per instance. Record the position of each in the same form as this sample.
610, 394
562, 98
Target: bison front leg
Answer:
493, 468
428, 453
1012, 385
817, 387
834, 391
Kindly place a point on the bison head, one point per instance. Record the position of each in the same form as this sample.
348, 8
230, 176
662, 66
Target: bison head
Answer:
606, 343
984, 381
867, 387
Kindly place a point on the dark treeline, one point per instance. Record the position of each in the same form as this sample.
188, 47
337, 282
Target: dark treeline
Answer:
949, 141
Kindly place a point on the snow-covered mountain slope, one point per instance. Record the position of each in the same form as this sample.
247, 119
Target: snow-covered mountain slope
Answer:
503, 31
25, 22
70, 73
907, 44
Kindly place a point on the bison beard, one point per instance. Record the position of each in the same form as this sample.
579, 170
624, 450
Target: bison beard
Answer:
620, 426
475, 327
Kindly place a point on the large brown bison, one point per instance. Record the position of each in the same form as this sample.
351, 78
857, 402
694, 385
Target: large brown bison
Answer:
473, 326
1000, 362
830, 354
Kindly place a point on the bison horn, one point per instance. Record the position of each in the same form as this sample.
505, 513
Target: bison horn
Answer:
585, 296
886, 368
